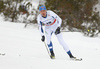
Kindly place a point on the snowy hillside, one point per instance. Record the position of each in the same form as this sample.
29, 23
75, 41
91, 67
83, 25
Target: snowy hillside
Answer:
21, 48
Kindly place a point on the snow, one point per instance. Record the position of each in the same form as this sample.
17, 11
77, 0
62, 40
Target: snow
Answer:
98, 8
23, 49
34, 2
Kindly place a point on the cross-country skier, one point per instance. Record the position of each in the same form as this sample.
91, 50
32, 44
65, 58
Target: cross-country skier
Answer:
52, 25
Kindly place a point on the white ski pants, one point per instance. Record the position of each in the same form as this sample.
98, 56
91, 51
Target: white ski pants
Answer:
48, 33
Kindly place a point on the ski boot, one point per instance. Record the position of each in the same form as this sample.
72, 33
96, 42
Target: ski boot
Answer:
52, 56
74, 58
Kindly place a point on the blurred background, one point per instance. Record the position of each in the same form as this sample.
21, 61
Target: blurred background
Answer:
77, 15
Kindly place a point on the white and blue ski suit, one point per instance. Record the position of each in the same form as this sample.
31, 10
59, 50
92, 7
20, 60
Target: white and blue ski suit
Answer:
52, 21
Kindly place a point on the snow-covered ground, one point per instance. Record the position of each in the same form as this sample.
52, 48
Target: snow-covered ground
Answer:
21, 48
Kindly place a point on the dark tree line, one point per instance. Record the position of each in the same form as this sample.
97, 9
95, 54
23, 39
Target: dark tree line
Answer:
77, 14
15, 9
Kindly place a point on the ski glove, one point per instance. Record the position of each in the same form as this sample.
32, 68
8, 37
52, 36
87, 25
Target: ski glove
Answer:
57, 31
43, 38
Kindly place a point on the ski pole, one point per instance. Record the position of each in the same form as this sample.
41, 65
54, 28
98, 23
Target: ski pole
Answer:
47, 48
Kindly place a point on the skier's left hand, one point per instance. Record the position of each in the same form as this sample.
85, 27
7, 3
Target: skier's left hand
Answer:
57, 31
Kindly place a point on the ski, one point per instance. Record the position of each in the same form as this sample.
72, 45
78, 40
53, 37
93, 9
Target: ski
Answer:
52, 57
2, 54
77, 59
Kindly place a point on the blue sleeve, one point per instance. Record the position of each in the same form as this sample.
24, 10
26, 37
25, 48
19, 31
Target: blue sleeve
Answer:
40, 26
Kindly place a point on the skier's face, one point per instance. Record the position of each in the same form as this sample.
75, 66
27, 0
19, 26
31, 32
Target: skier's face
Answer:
43, 13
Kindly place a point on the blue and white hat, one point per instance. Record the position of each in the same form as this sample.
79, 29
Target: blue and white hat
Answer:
42, 8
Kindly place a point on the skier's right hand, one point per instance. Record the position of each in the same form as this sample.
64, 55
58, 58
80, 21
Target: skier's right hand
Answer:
43, 38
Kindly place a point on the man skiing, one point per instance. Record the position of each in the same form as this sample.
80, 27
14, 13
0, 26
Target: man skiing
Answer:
52, 25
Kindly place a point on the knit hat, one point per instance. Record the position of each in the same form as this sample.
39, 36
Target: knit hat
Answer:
42, 8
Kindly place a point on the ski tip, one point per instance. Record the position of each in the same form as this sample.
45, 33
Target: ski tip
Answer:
77, 59
52, 57
2, 54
